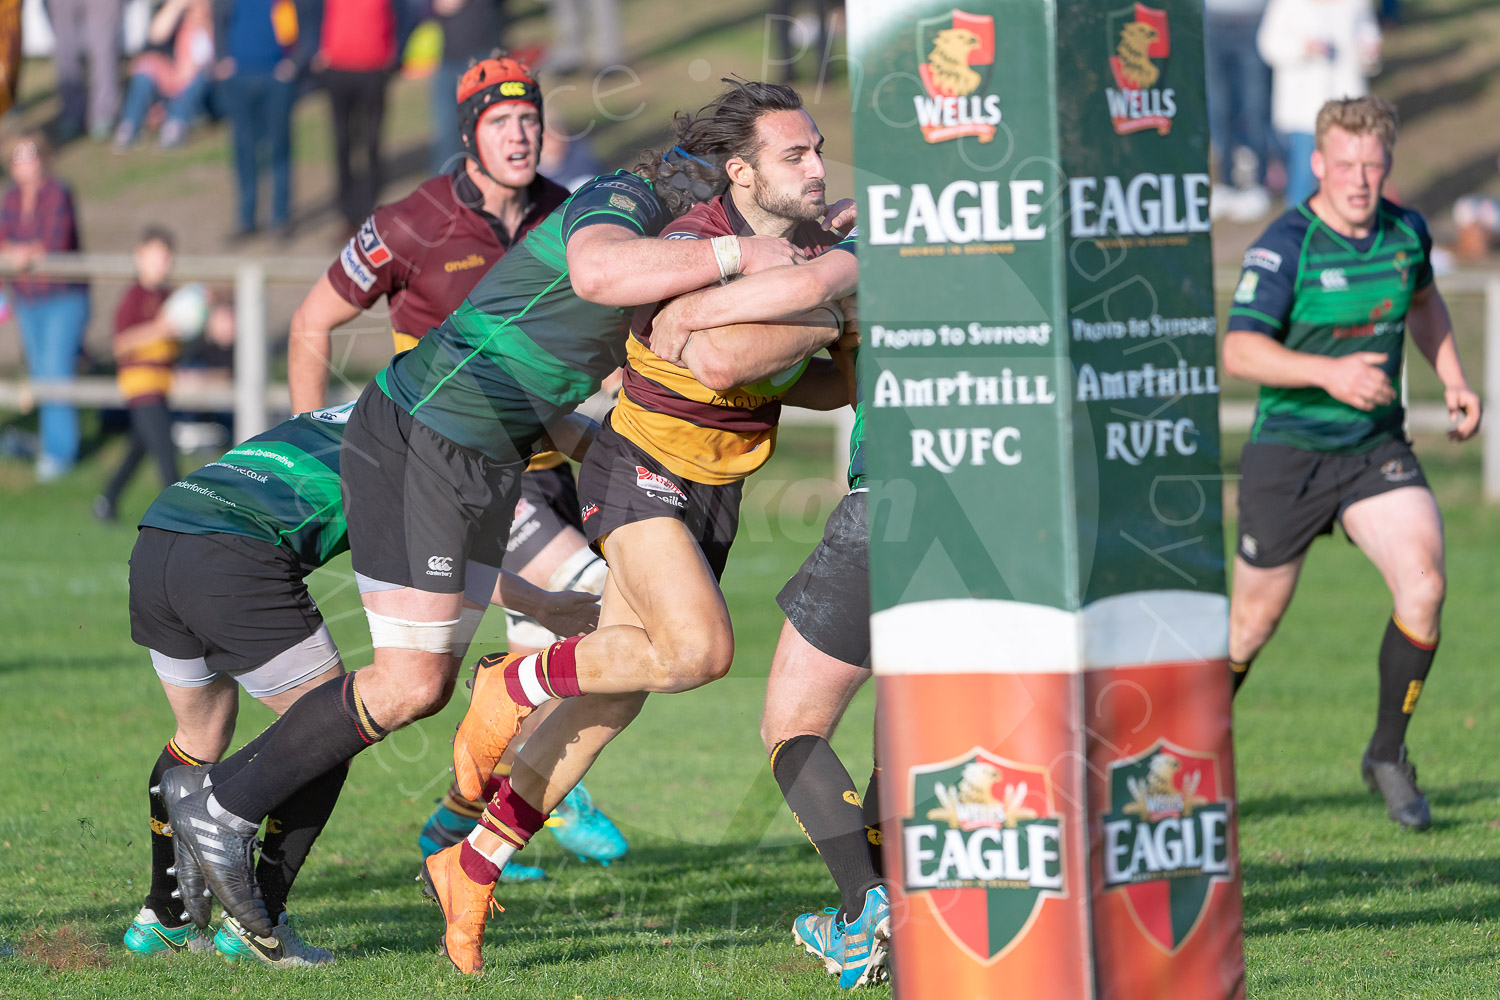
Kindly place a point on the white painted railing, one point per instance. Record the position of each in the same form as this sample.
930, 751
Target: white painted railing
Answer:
256, 398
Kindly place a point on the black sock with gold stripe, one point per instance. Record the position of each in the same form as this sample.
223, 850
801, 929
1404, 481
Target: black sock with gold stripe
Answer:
1405, 660
1237, 674
159, 897
291, 830
824, 803
324, 728
872, 821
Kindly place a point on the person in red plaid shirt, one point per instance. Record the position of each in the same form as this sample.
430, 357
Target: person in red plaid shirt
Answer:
37, 218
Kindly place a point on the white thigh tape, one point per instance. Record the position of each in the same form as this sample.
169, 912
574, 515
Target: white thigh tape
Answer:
399, 633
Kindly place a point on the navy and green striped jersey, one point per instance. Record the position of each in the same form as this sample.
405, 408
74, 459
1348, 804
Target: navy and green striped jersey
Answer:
523, 349
281, 487
1322, 293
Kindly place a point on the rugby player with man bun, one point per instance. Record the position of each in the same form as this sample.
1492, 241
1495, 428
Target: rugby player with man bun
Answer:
661, 484
1319, 320
218, 597
433, 455
423, 254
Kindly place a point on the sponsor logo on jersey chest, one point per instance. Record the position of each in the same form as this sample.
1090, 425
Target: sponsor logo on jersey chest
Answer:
464, 263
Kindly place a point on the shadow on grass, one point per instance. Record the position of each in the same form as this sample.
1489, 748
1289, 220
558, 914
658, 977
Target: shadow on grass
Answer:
1439, 53
1359, 797
1331, 892
1431, 13
693, 896
1457, 180
1444, 96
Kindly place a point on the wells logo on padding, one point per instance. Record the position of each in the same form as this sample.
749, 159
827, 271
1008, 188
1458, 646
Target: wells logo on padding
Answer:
1166, 839
984, 846
956, 53
1140, 41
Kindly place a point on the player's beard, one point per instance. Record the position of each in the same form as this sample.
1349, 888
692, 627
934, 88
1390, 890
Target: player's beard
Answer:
788, 206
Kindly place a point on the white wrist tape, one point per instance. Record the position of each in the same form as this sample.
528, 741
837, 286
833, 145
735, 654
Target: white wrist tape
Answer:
583, 570
727, 255
400, 633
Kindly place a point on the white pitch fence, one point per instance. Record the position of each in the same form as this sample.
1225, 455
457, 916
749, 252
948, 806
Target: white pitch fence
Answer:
258, 402
255, 398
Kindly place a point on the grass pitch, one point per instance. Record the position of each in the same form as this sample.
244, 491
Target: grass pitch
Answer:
1339, 903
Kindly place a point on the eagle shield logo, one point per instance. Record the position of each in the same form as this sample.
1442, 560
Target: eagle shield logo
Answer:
1166, 839
956, 53
1140, 40
984, 847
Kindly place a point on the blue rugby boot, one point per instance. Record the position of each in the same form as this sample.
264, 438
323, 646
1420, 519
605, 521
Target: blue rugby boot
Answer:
822, 935
584, 831
866, 942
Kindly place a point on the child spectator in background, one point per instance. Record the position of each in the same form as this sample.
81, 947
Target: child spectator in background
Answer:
176, 69
146, 345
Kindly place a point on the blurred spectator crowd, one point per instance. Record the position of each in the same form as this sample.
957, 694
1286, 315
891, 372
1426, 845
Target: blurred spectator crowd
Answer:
1270, 65
248, 62
129, 72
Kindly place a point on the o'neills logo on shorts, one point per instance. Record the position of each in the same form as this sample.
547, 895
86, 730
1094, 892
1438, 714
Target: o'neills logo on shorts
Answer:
1141, 41
984, 845
957, 51
1166, 839
659, 486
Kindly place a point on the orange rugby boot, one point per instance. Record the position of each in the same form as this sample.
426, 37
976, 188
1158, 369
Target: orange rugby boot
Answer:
466, 906
492, 721
486, 669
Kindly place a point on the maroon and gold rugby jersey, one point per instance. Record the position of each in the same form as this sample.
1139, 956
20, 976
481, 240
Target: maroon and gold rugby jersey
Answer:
144, 372
426, 252
696, 432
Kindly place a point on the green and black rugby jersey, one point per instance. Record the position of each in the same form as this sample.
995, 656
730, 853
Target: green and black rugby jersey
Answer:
1321, 293
281, 487
523, 349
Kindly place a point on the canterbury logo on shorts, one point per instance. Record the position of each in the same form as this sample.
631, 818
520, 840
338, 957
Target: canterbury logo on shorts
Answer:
439, 565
